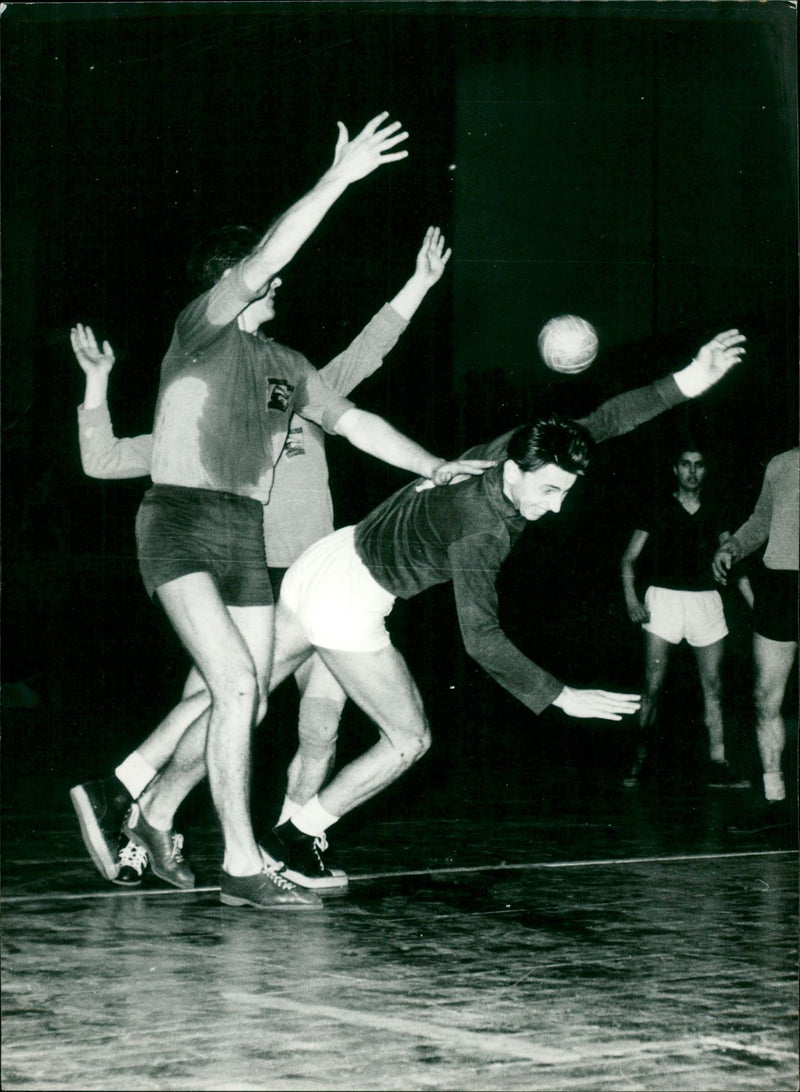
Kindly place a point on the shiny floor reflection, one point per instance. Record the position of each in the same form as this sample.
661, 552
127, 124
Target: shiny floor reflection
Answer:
641, 948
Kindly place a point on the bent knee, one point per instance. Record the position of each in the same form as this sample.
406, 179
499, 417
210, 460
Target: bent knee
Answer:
236, 689
411, 747
318, 723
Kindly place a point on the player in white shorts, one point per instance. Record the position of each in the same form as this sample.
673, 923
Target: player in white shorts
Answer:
680, 534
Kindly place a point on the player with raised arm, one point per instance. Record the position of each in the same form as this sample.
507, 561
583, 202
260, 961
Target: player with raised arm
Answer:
336, 597
299, 512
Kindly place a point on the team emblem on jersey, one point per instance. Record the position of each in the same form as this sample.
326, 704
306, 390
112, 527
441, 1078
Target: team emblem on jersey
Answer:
294, 443
280, 393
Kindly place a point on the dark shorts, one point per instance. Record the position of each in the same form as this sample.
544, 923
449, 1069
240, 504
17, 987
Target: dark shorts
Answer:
276, 579
775, 609
181, 531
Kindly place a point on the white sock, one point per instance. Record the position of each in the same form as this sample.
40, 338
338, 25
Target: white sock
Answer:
774, 788
313, 819
135, 774
290, 808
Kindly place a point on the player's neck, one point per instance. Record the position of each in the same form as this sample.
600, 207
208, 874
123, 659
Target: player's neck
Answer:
688, 499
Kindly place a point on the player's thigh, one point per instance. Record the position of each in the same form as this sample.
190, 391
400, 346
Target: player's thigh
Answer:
257, 627
773, 663
709, 663
204, 624
291, 648
314, 680
381, 684
656, 659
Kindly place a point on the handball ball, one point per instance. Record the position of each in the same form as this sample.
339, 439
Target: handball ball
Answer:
568, 344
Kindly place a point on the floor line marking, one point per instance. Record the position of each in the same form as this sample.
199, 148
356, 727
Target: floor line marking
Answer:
502, 1046
532, 866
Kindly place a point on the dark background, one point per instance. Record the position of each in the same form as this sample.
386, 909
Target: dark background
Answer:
633, 163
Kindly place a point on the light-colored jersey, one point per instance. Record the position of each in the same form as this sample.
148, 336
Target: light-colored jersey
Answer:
300, 509
775, 516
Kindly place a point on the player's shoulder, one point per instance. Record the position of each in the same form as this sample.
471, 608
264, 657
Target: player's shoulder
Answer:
784, 461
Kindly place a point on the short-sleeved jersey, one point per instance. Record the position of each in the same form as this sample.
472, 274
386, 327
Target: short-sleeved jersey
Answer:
226, 398
681, 544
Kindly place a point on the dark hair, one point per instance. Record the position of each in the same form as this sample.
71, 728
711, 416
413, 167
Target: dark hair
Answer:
551, 440
220, 250
687, 443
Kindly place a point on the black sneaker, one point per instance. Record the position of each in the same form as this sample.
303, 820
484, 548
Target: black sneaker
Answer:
266, 890
101, 807
163, 848
721, 776
131, 863
301, 857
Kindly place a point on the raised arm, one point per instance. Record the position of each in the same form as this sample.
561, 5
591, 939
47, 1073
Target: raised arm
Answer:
365, 354
352, 160
431, 261
377, 437
95, 362
104, 455
627, 411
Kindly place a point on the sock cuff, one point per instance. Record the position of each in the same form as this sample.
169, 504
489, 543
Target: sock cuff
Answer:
288, 811
774, 787
135, 774
313, 819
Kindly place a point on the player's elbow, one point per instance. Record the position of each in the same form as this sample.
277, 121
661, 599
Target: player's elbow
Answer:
94, 469
478, 644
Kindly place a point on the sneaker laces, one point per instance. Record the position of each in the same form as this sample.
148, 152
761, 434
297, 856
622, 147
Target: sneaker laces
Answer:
278, 880
319, 845
134, 856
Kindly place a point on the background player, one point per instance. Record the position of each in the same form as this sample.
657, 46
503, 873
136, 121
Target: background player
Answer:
774, 521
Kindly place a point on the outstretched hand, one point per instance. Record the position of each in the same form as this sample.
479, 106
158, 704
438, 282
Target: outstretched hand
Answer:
596, 704
713, 361
432, 257
356, 158
93, 360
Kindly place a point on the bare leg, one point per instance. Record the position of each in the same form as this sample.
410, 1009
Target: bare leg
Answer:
160, 745
709, 665
187, 766
321, 703
381, 684
232, 662
656, 660
773, 662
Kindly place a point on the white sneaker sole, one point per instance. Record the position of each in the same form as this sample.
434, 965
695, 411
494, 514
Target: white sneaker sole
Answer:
92, 835
335, 882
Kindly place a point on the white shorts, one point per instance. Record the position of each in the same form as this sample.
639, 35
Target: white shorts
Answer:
696, 617
335, 598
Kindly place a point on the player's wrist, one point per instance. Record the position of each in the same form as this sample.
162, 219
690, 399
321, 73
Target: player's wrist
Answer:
691, 380
560, 697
